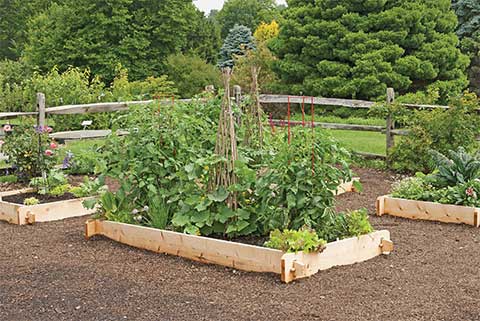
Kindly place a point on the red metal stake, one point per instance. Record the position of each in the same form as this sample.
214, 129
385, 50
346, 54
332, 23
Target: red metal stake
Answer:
313, 138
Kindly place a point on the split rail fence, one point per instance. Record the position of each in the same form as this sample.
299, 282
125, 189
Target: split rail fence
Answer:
389, 128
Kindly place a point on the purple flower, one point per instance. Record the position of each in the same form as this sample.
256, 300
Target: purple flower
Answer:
67, 160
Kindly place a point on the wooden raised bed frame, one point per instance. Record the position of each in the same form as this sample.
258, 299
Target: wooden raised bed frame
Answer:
290, 266
22, 214
420, 210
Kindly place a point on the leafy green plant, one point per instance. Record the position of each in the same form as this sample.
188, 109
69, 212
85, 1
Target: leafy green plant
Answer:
459, 167
31, 201
55, 181
410, 188
59, 190
358, 223
293, 241
90, 187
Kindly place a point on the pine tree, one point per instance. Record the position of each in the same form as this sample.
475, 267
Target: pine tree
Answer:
238, 41
356, 49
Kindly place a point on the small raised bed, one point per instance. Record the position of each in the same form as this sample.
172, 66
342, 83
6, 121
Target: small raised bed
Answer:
290, 266
347, 187
22, 214
420, 210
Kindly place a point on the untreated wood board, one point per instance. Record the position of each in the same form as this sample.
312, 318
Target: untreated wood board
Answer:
23, 214
343, 252
207, 250
420, 210
9, 212
242, 256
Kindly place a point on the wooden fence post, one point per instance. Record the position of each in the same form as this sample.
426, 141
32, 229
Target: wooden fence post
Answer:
237, 92
41, 109
390, 124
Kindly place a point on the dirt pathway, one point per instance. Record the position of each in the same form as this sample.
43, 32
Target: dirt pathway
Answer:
49, 272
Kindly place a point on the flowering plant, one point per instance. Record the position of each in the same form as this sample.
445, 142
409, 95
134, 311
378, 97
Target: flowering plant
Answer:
30, 151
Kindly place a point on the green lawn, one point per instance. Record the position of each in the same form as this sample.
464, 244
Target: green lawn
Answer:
360, 141
338, 120
78, 147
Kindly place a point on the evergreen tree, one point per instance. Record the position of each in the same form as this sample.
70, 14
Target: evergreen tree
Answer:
238, 41
356, 49
468, 12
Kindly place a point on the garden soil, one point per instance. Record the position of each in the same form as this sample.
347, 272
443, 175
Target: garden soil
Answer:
48, 271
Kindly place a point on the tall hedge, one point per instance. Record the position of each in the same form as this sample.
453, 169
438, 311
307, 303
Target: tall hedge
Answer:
346, 48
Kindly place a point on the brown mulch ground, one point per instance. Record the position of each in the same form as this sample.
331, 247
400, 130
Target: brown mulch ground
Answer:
49, 272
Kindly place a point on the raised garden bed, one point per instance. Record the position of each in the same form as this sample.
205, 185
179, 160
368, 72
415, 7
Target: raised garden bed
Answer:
290, 266
17, 213
347, 187
421, 210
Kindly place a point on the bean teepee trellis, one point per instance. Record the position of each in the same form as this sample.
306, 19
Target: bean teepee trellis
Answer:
226, 146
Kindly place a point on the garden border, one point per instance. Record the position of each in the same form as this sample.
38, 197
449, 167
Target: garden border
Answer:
29, 214
421, 210
290, 266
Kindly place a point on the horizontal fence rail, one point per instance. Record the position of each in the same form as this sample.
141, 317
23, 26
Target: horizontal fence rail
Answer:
352, 103
283, 123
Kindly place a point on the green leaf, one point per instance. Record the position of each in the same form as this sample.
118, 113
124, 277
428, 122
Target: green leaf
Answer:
200, 217
180, 219
192, 230
219, 195
224, 214
90, 203
358, 186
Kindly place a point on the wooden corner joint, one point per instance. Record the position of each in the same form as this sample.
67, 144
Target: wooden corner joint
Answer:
30, 218
476, 217
380, 206
299, 269
90, 228
386, 246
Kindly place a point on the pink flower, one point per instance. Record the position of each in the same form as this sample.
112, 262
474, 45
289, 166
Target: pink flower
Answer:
53, 145
471, 192
48, 152
48, 129
7, 128
1, 142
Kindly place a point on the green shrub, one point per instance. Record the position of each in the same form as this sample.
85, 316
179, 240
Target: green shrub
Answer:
191, 74
439, 130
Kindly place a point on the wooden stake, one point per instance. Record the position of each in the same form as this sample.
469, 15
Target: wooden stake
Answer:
41, 109
389, 125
